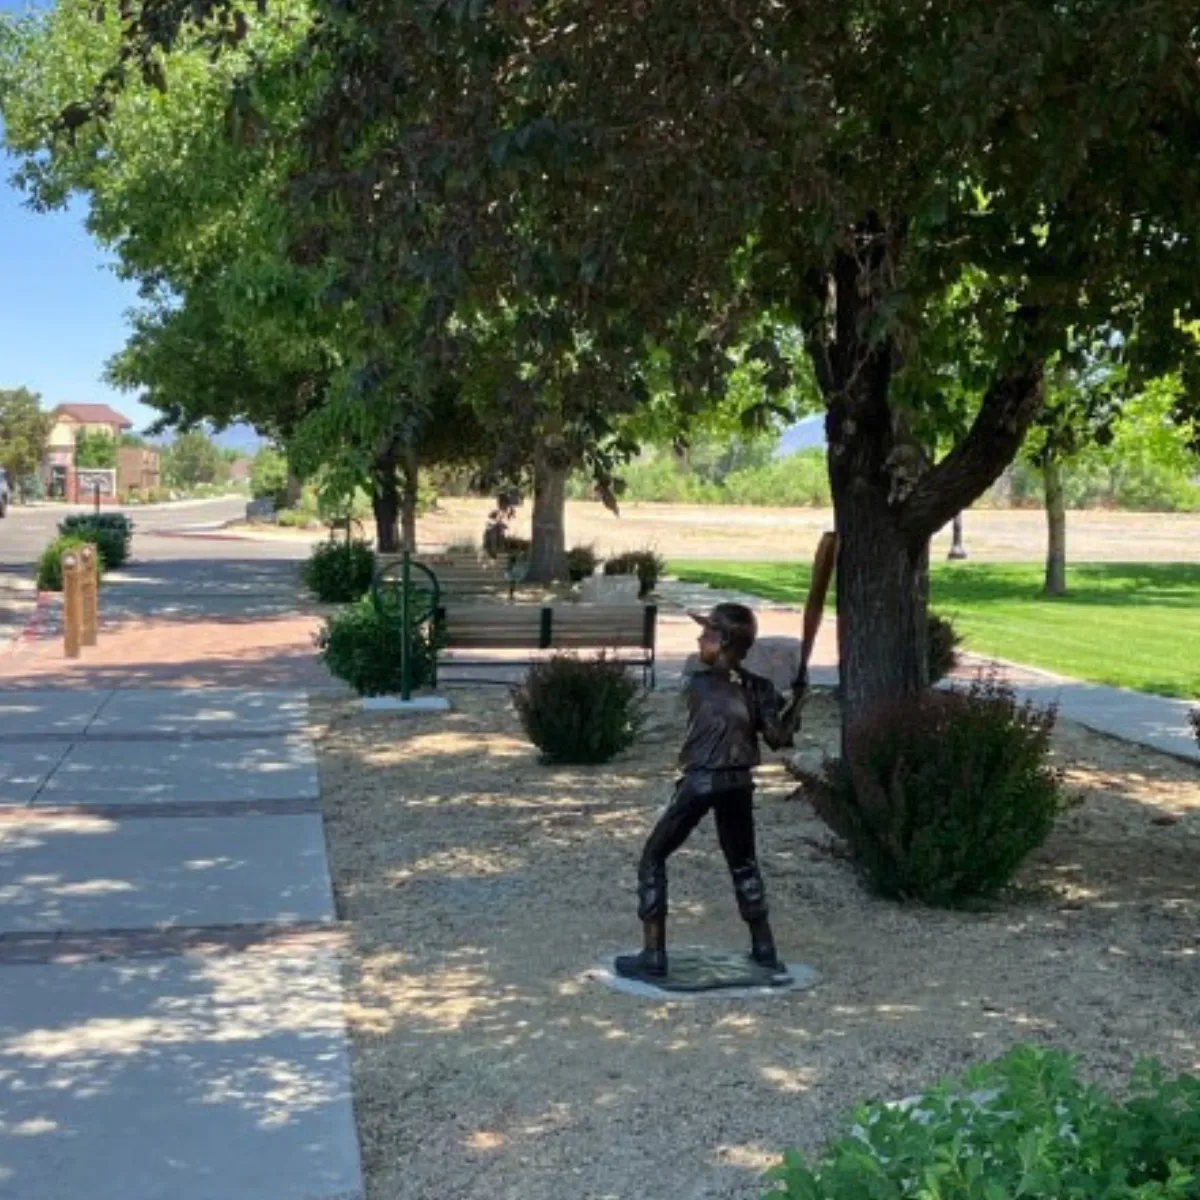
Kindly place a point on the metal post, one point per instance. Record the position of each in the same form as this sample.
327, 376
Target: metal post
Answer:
96, 494
72, 604
405, 631
89, 587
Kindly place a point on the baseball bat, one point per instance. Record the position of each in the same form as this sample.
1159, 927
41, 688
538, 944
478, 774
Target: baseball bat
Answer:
818, 588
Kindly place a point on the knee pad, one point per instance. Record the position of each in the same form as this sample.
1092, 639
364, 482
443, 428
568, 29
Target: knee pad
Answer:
750, 891
652, 900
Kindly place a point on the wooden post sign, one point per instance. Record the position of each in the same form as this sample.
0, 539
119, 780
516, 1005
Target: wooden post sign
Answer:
89, 587
72, 604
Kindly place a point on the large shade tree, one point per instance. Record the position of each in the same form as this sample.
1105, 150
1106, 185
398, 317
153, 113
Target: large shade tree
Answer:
188, 193
664, 173
637, 177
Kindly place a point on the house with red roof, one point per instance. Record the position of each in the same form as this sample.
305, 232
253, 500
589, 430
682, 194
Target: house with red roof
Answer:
69, 421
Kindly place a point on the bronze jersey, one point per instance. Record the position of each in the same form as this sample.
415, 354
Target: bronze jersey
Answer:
727, 713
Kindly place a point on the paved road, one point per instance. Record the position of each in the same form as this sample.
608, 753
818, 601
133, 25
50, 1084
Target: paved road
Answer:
25, 532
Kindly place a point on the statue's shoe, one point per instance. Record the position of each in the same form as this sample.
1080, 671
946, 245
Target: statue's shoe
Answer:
648, 965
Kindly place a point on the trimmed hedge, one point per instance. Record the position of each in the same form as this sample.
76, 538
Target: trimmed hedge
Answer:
111, 533
361, 645
49, 568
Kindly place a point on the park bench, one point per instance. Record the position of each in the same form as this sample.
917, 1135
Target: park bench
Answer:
457, 576
549, 627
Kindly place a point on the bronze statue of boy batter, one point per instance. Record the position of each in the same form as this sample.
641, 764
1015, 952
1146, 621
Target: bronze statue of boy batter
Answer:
729, 709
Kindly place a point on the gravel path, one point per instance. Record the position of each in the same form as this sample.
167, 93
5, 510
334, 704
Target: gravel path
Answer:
481, 886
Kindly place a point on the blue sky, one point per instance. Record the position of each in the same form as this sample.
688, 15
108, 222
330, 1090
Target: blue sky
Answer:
62, 309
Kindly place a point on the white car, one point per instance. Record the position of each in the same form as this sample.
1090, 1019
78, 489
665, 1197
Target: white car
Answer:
4, 495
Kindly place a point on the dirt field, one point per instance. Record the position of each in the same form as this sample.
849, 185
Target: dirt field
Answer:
681, 531
481, 886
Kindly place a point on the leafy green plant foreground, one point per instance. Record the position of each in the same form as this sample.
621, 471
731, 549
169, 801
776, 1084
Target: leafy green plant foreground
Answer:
1025, 1125
1133, 625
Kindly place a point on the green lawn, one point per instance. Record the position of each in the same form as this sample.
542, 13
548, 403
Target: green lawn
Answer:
1136, 625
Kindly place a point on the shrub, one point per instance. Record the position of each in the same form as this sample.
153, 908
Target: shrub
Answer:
942, 796
1024, 1125
1194, 717
295, 518
49, 568
579, 710
645, 564
581, 562
338, 571
944, 641
361, 645
111, 534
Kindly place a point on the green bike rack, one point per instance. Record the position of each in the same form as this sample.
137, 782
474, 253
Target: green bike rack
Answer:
409, 619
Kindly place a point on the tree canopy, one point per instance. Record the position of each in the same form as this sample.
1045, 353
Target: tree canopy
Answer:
546, 204
24, 431
880, 175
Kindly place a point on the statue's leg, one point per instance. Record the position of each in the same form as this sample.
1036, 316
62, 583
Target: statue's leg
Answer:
735, 829
682, 814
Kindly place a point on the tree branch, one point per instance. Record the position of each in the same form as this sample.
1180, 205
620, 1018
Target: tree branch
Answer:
1009, 408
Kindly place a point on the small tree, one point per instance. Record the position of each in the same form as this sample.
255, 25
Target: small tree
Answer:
269, 476
95, 448
24, 429
193, 459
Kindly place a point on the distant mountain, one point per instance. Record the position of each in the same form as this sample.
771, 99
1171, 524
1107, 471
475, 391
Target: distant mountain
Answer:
240, 437
808, 434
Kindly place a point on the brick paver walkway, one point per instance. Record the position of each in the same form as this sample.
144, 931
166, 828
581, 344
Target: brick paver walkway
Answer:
171, 1013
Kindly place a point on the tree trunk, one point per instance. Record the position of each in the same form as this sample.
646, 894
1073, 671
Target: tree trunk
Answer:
385, 500
408, 501
1056, 521
548, 551
882, 595
888, 498
958, 551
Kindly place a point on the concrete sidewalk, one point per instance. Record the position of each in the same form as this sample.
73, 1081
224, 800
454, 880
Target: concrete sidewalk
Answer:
171, 1022
1157, 722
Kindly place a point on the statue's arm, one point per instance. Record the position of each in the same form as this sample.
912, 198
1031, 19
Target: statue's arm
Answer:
778, 719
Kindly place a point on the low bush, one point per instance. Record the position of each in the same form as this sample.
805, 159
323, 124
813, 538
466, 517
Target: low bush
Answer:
645, 564
579, 710
362, 646
49, 568
1025, 1125
940, 798
944, 641
338, 571
1194, 717
581, 562
111, 533
297, 518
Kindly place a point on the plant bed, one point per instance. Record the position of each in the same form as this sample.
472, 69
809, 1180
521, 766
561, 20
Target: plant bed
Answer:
480, 885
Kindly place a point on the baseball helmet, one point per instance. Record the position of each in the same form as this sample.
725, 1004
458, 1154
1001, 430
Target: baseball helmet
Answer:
734, 624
